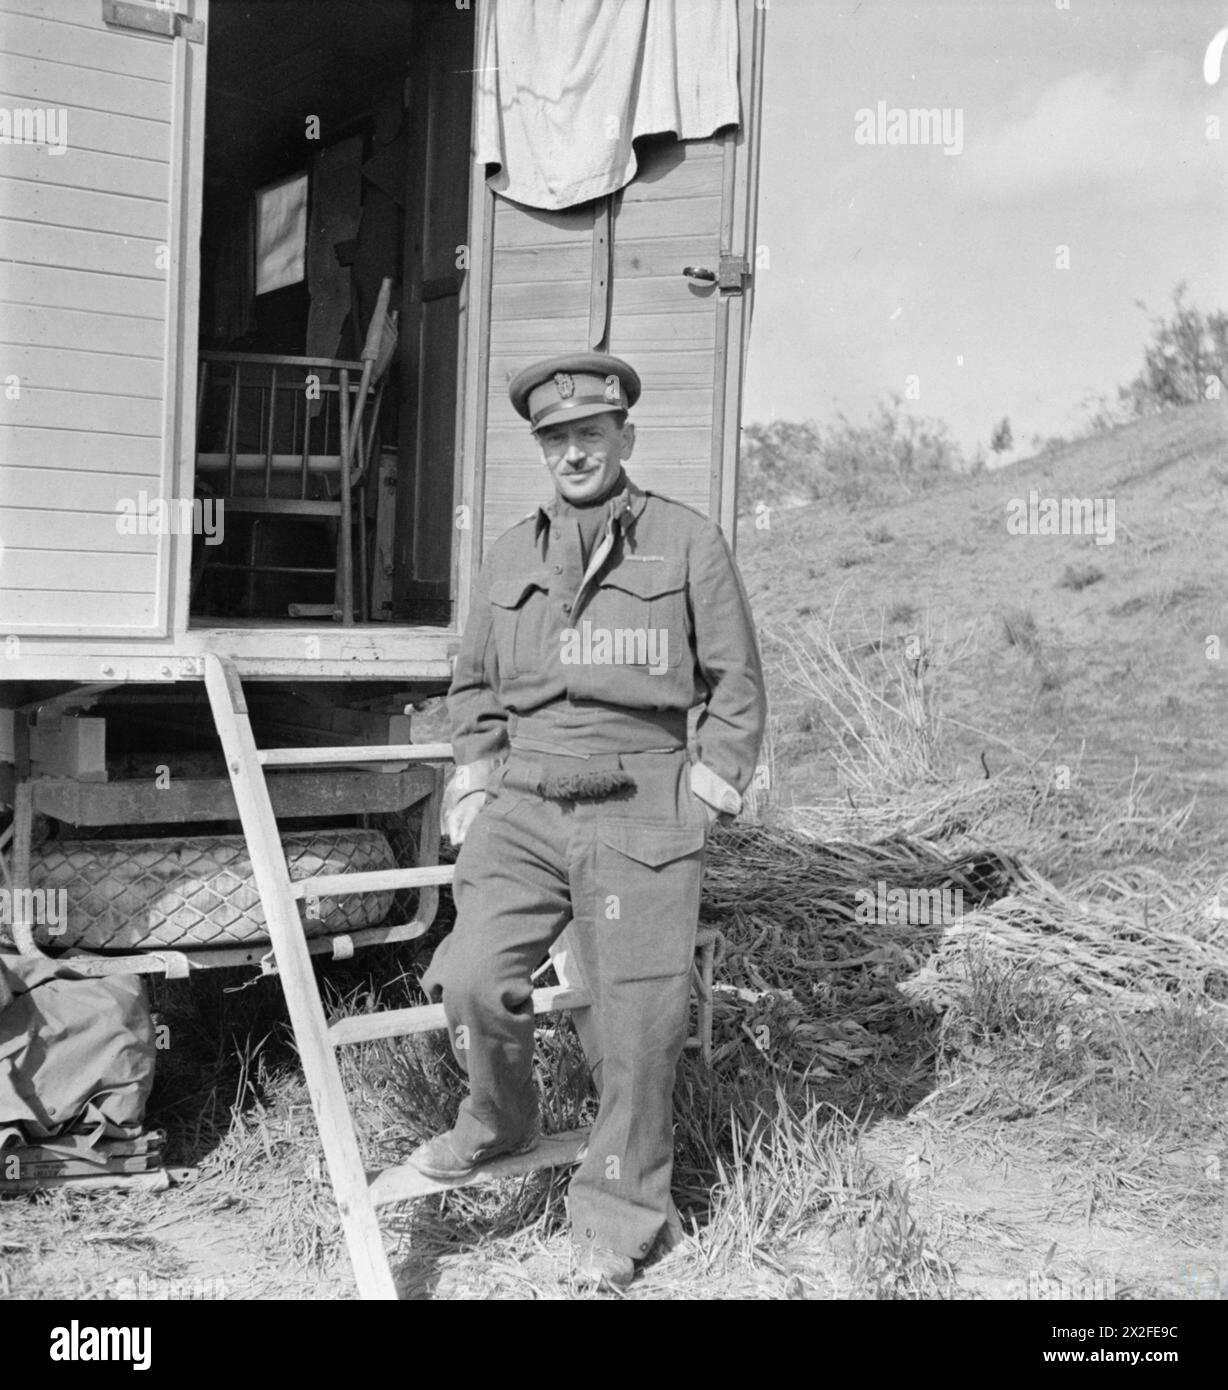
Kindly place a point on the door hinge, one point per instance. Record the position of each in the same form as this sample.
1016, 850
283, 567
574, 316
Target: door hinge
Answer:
734, 273
152, 19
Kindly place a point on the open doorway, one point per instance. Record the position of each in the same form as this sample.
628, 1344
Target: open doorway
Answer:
336, 165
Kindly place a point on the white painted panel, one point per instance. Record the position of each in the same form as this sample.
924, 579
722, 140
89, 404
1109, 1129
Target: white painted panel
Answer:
28, 454
95, 279
41, 528
96, 211
66, 11
70, 369
84, 410
100, 49
45, 611
85, 291
103, 251
116, 173
54, 84
45, 489
137, 137
57, 571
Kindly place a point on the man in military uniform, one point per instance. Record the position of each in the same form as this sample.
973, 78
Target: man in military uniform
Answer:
597, 623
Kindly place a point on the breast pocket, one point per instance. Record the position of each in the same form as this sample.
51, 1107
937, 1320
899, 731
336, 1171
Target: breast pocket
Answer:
643, 605
518, 616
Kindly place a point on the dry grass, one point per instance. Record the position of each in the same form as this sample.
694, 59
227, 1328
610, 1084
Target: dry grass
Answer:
874, 693
816, 1044
1075, 1013
1127, 940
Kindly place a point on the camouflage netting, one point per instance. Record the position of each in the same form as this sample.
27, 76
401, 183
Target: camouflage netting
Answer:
806, 970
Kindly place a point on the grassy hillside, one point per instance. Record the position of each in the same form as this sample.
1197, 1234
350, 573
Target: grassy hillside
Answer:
1031, 652
1024, 1100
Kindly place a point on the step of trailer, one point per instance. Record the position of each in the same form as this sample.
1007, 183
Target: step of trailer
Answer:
370, 881
404, 1183
428, 1018
359, 753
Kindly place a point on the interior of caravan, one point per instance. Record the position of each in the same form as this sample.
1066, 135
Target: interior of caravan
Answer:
335, 201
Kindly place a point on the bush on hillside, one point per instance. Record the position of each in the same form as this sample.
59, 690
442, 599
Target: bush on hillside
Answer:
1185, 362
893, 456
1001, 441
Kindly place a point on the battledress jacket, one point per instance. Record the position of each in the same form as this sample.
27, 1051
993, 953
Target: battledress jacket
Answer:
657, 624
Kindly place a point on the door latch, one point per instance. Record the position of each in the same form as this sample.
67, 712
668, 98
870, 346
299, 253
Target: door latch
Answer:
731, 277
734, 273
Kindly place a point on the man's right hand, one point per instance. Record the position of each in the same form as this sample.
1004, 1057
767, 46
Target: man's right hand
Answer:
458, 820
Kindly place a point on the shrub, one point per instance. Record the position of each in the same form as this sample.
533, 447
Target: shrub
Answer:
1002, 441
1188, 353
892, 456
1019, 629
1076, 577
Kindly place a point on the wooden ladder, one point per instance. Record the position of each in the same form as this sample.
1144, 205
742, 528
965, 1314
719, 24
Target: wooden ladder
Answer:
357, 1192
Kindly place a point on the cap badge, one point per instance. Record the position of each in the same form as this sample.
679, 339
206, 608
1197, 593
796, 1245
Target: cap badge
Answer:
613, 391
565, 385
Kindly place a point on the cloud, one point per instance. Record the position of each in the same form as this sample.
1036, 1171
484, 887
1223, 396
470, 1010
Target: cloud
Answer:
1140, 139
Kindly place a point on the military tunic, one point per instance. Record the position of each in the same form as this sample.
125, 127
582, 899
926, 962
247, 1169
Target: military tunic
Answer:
566, 666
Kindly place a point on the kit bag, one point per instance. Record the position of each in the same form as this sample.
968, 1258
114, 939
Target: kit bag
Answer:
76, 1052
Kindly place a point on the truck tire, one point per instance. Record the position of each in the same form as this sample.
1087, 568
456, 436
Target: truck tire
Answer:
192, 893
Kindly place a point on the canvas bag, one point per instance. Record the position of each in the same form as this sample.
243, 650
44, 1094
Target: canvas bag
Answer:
76, 1052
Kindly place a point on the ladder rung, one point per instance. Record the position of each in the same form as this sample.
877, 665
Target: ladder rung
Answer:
371, 881
427, 1018
364, 753
405, 1182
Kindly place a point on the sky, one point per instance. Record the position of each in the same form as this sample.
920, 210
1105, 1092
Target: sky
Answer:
1084, 125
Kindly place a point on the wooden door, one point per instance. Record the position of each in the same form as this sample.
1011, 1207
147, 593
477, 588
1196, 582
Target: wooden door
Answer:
435, 260
690, 206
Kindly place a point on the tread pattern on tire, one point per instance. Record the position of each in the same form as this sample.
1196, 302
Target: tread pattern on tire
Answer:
196, 892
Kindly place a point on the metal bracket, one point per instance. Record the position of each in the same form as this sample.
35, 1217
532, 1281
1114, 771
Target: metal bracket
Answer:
734, 273
152, 19
602, 277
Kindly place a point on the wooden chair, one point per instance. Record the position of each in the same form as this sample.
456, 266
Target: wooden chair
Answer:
288, 427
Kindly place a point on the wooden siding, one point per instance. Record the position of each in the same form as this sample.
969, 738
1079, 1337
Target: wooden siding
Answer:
668, 217
85, 319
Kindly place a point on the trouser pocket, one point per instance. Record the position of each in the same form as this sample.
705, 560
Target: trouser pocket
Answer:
647, 897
